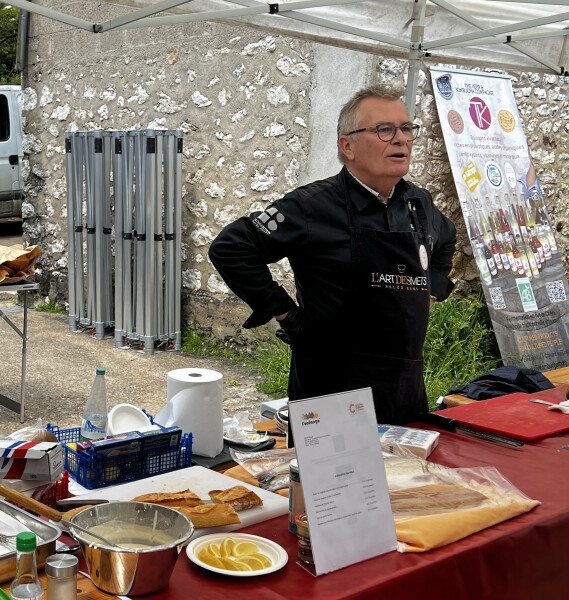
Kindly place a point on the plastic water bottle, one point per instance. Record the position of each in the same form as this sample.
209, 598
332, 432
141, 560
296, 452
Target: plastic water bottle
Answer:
27, 584
94, 423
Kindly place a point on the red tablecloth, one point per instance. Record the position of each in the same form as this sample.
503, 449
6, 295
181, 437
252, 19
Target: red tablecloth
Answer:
525, 558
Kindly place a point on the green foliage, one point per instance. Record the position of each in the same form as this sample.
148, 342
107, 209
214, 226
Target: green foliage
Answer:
49, 306
8, 43
460, 345
272, 361
196, 342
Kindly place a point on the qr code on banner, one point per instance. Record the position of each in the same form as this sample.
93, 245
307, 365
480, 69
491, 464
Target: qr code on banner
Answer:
497, 298
556, 291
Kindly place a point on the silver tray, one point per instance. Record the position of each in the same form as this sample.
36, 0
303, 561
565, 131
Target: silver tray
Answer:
46, 532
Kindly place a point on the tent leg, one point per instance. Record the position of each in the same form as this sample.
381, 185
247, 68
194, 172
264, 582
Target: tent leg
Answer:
415, 56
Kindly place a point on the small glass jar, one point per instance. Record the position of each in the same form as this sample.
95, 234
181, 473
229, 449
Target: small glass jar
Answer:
295, 497
304, 545
61, 575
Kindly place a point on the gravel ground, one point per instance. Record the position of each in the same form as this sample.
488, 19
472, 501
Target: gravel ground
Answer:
61, 368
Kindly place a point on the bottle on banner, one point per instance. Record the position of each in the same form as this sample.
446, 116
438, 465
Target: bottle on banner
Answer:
524, 258
482, 264
511, 258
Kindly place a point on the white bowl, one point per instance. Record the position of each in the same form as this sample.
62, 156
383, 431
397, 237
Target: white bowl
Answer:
126, 417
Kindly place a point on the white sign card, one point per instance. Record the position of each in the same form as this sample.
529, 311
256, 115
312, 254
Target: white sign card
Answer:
343, 478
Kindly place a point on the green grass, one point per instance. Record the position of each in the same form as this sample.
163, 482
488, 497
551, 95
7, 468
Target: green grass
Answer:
49, 307
460, 345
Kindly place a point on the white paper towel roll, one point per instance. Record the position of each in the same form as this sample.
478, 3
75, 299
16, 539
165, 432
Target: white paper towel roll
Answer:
195, 404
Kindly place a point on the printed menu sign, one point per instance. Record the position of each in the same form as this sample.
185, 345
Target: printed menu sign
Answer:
343, 478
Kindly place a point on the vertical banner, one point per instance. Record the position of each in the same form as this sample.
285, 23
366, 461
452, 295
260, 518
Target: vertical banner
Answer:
512, 240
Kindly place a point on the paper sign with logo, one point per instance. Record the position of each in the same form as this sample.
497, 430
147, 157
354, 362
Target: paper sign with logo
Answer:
512, 239
343, 478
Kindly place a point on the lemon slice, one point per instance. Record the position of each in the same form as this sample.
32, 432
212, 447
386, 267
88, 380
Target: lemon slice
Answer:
267, 562
229, 564
244, 548
214, 549
252, 561
243, 566
209, 559
226, 547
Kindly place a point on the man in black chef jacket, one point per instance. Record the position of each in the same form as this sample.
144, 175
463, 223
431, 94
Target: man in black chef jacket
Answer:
370, 254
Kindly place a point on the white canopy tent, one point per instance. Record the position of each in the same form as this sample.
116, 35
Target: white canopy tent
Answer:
520, 34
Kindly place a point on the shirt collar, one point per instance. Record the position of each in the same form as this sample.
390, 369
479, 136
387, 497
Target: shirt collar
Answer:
372, 191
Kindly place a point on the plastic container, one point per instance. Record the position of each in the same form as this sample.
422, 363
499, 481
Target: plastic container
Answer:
27, 584
95, 415
61, 577
95, 471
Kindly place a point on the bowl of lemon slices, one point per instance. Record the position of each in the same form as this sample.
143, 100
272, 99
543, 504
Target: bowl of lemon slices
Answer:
237, 554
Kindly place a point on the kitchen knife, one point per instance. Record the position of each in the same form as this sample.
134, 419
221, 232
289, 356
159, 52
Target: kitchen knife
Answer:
447, 424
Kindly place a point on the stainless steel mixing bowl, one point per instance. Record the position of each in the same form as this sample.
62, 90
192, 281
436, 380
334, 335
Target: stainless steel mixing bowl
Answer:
150, 538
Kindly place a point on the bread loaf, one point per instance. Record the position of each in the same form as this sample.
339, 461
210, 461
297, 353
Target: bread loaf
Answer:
240, 497
433, 497
171, 500
210, 515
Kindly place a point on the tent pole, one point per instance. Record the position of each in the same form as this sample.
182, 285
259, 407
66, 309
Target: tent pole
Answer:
415, 56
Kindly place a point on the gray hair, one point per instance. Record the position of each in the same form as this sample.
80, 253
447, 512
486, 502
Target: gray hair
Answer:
349, 117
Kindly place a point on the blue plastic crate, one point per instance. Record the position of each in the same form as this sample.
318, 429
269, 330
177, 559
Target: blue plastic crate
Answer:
93, 470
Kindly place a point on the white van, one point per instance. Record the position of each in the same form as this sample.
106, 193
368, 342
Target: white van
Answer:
11, 184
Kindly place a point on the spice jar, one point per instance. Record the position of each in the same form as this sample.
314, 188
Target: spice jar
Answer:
61, 572
295, 497
304, 545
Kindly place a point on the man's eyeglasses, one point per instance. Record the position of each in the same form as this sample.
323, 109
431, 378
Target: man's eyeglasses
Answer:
386, 131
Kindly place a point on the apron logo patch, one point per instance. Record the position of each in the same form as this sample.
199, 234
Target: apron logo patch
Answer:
423, 257
399, 281
268, 221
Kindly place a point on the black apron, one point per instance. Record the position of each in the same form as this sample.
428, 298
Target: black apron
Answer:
378, 339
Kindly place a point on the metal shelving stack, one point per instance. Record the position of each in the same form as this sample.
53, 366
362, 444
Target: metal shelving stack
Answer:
145, 170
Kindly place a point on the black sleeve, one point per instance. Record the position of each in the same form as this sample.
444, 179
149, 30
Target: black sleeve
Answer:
243, 249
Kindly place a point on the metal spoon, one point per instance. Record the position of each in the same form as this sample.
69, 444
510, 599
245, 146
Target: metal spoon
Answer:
538, 401
69, 524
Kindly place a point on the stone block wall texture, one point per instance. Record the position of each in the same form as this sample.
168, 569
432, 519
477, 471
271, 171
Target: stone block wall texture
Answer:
242, 97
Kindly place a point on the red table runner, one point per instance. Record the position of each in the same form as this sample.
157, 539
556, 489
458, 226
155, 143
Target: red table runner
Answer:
525, 558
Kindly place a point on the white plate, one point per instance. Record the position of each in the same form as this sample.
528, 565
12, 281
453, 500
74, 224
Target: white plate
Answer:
272, 550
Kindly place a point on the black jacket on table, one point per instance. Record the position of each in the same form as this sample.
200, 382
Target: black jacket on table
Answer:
310, 227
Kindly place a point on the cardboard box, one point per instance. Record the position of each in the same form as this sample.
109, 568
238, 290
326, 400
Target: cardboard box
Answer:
407, 441
160, 438
41, 461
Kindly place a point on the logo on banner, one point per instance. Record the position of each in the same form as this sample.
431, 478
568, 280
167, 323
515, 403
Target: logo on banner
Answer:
455, 121
494, 174
526, 294
480, 113
444, 86
510, 175
471, 176
507, 121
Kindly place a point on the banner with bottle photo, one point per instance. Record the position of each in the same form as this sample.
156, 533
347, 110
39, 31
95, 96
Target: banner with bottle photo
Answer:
512, 239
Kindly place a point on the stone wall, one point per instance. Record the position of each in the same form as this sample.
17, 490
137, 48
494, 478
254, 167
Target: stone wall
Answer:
246, 101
